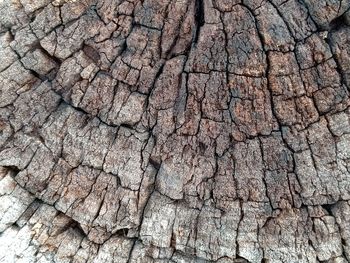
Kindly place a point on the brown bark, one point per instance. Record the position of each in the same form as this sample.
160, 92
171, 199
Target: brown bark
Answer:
175, 131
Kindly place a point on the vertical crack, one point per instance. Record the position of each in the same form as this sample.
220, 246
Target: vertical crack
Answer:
199, 18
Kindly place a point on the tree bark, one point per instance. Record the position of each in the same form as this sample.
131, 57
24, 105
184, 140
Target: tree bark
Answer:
175, 131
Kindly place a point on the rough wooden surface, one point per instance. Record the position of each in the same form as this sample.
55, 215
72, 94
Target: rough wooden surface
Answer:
175, 131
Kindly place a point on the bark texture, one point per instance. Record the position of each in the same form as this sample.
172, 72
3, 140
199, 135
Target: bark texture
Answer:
175, 131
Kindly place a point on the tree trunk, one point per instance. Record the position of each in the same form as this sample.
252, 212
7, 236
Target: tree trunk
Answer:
175, 131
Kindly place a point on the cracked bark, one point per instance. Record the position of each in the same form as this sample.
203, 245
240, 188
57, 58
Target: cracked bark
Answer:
175, 131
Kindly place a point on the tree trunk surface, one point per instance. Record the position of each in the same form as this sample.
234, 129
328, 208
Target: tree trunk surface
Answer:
175, 131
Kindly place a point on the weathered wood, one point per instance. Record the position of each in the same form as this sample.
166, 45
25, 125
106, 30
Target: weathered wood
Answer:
175, 131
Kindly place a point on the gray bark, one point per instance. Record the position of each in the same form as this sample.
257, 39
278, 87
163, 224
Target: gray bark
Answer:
175, 131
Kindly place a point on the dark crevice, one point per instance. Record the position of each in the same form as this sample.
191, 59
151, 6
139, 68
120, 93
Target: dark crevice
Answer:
339, 22
38, 76
46, 53
199, 18
73, 224
328, 208
240, 259
13, 169
156, 164
131, 250
343, 242
126, 125
124, 47
123, 232
159, 72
